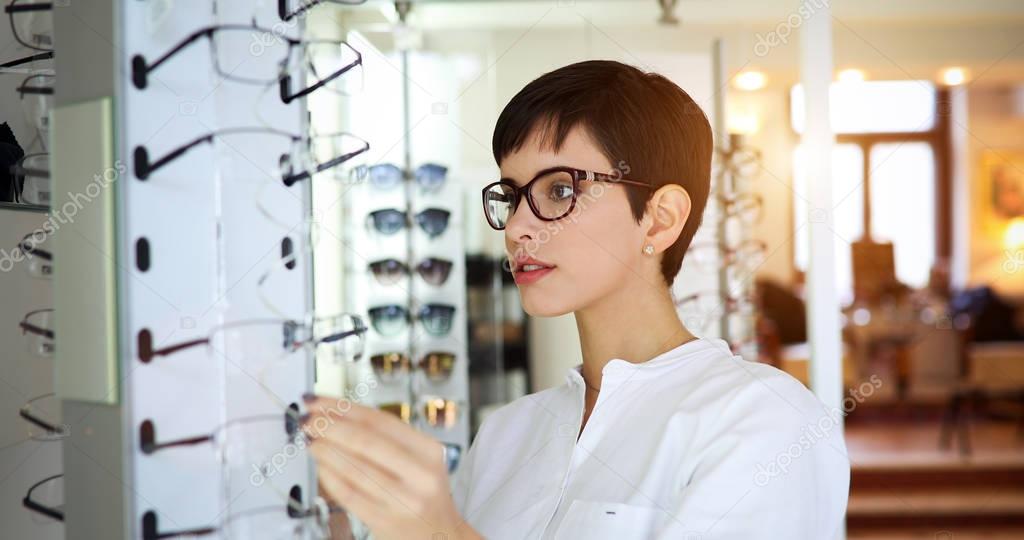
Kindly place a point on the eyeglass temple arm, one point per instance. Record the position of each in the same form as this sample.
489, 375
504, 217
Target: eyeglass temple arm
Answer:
171, 349
290, 180
28, 59
39, 422
28, 249
143, 167
140, 69
285, 84
38, 330
601, 177
27, 501
43, 6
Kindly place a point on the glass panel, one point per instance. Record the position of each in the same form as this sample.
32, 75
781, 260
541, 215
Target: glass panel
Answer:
848, 194
873, 107
903, 206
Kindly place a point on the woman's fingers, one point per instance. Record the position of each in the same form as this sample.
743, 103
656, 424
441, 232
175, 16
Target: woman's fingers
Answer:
387, 424
367, 445
347, 495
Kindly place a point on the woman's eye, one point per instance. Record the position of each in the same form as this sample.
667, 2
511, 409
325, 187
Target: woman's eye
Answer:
560, 191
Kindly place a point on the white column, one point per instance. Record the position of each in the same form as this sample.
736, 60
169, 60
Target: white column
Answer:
826, 374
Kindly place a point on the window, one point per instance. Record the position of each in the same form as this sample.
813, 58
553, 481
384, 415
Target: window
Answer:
887, 173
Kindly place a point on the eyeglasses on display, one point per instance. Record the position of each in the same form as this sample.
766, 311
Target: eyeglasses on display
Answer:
289, 9
437, 366
429, 176
31, 23
551, 194
390, 271
46, 497
434, 411
388, 221
40, 428
39, 84
304, 159
342, 332
392, 319
288, 520
270, 58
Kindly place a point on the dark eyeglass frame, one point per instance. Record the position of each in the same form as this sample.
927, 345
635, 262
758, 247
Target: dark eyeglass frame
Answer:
62, 430
144, 167
39, 507
33, 329
432, 310
141, 69
12, 8
578, 175
306, 5
27, 59
24, 87
377, 220
32, 251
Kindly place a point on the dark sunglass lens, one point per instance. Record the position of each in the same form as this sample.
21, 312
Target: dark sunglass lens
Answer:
434, 271
388, 271
499, 204
388, 221
431, 176
385, 176
433, 221
437, 318
389, 320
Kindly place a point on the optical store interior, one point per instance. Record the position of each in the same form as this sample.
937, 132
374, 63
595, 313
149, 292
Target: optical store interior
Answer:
209, 209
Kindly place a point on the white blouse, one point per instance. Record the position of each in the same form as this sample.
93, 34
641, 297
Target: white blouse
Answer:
694, 443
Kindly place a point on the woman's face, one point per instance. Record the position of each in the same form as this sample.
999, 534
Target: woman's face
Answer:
593, 252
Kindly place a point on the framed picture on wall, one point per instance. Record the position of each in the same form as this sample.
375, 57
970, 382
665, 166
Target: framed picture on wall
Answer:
1001, 187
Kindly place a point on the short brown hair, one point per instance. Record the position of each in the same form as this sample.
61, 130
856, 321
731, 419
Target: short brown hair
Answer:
641, 119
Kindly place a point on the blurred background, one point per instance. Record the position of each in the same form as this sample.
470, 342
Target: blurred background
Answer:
866, 234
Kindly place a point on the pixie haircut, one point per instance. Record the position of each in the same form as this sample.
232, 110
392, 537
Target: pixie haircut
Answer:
641, 120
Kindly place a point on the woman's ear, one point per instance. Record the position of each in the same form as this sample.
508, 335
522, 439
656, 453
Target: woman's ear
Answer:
667, 210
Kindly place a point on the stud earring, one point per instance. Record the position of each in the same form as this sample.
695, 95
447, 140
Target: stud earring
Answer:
649, 249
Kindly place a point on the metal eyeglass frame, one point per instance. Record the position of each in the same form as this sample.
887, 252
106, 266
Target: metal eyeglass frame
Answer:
578, 175
144, 167
141, 68
13, 7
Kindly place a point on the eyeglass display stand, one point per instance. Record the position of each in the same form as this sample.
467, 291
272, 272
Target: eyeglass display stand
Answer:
177, 254
410, 245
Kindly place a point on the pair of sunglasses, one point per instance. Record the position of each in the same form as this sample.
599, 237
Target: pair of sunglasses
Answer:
433, 221
436, 365
390, 271
435, 411
393, 319
429, 176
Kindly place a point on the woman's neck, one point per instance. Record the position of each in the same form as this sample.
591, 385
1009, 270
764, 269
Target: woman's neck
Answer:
633, 325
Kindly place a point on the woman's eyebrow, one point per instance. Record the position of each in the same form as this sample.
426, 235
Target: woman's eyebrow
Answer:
510, 179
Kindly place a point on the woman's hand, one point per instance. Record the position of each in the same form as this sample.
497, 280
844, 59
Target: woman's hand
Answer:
389, 475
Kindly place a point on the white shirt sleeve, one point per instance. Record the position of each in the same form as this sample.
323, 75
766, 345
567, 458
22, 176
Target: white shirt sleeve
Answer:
774, 465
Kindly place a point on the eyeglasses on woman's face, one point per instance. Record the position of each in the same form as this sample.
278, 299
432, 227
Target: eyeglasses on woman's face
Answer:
551, 194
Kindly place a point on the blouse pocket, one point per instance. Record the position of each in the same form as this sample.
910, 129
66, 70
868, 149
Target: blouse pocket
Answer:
606, 520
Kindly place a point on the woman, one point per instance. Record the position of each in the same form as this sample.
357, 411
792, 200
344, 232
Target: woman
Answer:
658, 433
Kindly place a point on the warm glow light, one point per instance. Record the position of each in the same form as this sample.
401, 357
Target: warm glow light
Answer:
954, 76
741, 117
851, 76
750, 80
1013, 239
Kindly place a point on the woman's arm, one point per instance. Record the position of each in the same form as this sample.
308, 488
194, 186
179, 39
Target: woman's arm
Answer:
391, 476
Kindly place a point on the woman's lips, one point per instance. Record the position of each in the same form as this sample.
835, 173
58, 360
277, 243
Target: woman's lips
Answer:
525, 277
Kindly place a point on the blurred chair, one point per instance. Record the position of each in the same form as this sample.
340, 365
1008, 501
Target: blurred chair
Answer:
991, 375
